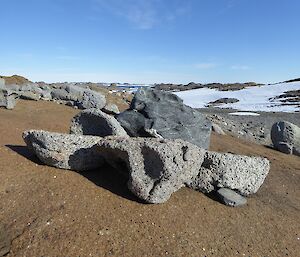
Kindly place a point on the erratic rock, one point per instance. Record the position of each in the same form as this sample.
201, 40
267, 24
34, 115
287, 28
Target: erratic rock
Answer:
92, 99
157, 167
96, 123
111, 109
230, 197
286, 137
64, 151
165, 113
8, 99
243, 174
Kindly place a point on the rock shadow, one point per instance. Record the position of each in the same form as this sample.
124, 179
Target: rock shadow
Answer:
112, 180
25, 152
105, 176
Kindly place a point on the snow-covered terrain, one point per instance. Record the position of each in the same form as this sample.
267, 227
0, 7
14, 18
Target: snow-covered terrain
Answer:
257, 98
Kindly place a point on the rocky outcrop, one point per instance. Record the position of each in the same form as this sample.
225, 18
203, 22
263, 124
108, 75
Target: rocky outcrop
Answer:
157, 168
243, 174
165, 113
286, 137
72, 152
96, 123
8, 99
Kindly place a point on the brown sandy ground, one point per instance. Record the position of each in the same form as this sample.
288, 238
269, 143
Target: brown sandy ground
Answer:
50, 212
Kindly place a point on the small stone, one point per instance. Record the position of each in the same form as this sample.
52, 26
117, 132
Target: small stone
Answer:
231, 198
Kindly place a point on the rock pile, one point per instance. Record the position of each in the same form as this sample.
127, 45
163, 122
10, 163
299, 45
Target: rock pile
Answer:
79, 96
156, 167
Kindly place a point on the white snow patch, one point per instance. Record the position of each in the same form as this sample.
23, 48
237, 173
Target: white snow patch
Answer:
255, 98
244, 113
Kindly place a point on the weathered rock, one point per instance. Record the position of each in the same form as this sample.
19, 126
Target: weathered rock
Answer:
231, 198
111, 109
64, 151
92, 99
96, 123
216, 128
243, 174
27, 95
62, 94
168, 116
157, 168
8, 99
286, 137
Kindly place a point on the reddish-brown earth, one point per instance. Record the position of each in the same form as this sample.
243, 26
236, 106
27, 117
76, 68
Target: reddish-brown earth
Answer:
50, 212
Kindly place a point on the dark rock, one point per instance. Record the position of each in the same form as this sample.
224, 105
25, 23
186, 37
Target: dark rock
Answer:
231, 198
5, 241
165, 114
133, 122
224, 101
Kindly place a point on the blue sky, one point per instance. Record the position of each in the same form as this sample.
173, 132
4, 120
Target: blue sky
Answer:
147, 41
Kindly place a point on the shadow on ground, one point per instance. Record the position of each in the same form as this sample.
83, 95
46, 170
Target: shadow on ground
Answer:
106, 176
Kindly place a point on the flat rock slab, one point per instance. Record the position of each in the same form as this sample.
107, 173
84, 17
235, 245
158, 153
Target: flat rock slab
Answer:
157, 167
165, 113
64, 151
230, 197
96, 123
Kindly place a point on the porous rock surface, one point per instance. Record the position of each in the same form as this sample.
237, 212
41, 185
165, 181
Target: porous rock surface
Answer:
165, 113
243, 174
64, 151
286, 137
157, 167
96, 123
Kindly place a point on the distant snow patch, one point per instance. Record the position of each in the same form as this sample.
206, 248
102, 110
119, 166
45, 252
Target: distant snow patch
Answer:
244, 113
254, 98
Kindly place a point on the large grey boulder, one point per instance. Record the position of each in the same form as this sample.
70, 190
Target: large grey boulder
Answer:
243, 174
157, 167
166, 115
96, 123
286, 137
8, 99
92, 99
64, 151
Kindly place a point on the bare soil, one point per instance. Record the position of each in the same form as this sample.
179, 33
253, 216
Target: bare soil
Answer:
50, 212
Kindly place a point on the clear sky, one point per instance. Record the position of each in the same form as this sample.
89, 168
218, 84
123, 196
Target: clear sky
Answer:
147, 41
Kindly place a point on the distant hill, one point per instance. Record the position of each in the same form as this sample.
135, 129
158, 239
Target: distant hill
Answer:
293, 80
15, 79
